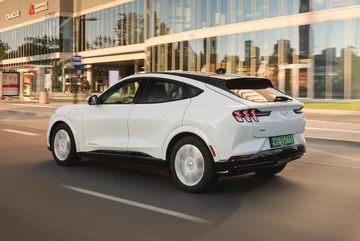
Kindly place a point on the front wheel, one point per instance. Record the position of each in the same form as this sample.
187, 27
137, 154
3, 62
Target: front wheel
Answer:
270, 171
192, 165
63, 146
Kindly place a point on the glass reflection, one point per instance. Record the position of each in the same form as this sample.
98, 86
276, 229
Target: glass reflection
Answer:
320, 34
260, 9
247, 10
335, 60
273, 8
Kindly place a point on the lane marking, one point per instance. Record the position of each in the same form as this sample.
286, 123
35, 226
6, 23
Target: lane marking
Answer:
40, 106
9, 119
140, 205
21, 132
329, 165
334, 154
330, 139
335, 130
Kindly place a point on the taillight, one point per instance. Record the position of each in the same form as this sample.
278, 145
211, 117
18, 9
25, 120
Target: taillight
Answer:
299, 111
249, 115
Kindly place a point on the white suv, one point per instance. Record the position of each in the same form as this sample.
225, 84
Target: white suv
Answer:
199, 125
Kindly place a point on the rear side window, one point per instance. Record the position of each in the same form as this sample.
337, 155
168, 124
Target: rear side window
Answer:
255, 90
193, 91
160, 90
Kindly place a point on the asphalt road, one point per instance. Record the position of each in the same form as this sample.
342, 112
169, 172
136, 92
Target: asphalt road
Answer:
314, 198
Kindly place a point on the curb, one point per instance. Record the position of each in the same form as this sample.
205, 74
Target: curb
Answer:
333, 140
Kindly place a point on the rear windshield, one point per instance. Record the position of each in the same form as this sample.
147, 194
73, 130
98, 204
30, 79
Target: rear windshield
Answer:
255, 90
258, 95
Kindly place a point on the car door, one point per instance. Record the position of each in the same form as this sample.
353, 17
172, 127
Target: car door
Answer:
105, 124
158, 112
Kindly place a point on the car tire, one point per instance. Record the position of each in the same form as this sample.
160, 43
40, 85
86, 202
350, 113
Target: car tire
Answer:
192, 165
63, 146
270, 171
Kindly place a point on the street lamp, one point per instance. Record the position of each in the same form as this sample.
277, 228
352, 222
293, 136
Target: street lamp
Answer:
92, 19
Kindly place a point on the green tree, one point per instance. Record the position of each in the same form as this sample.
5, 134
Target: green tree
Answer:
40, 45
4, 48
128, 24
101, 42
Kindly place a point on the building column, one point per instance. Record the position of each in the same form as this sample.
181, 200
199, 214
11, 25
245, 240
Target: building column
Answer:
21, 89
330, 56
295, 81
40, 75
347, 73
136, 68
1, 81
310, 79
253, 59
282, 76
63, 80
89, 75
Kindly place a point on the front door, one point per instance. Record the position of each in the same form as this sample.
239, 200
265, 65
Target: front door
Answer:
105, 125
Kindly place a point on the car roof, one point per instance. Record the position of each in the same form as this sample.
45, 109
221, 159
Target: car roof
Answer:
219, 79
201, 76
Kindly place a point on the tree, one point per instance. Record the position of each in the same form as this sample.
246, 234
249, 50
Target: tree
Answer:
42, 45
125, 27
4, 48
101, 42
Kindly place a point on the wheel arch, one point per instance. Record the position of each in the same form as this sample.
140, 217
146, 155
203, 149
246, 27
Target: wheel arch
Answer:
182, 132
62, 120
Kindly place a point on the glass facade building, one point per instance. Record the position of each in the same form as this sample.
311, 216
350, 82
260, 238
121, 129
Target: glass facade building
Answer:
45, 37
174, 16
111, 27
302, 46
315, 60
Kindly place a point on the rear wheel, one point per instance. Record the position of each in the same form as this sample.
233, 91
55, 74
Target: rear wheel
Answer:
270, 171
192, 165
63, 146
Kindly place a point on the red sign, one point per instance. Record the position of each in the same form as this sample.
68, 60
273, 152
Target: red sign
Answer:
31, 10
10, 84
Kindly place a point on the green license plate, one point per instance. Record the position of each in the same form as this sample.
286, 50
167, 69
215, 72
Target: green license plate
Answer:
280, 141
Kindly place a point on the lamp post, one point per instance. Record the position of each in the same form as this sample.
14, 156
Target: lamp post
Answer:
76, 47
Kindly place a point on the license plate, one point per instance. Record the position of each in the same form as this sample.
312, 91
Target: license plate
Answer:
280, 141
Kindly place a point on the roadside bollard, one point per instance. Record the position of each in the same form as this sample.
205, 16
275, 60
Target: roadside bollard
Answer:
44, 97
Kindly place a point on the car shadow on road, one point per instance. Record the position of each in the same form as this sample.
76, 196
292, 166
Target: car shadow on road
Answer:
156, 187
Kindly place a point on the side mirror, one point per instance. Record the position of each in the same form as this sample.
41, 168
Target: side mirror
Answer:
93, 100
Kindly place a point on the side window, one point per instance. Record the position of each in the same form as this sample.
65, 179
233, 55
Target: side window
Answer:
121, 94
193, 91
158, 91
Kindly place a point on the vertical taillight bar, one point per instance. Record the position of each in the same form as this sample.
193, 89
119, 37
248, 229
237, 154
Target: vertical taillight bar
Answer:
249, 115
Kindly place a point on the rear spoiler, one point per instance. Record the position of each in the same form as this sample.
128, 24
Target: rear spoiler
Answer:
249, 83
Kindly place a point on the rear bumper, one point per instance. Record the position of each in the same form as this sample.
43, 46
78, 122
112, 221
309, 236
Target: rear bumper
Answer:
263, 159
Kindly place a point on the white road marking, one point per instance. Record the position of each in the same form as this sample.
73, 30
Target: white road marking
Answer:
334, 130
140, 205
9, 119
41, 106
325, 164
20, 132
334, 154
